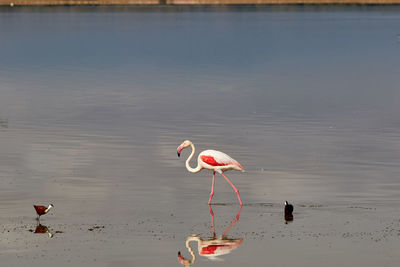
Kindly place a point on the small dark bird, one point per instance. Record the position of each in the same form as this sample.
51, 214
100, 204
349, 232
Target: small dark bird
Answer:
288, 212
288, 208
41, 210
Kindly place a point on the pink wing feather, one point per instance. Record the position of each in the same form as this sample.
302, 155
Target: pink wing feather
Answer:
217, 158
210, 160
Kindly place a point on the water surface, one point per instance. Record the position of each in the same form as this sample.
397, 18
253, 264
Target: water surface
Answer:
94, 102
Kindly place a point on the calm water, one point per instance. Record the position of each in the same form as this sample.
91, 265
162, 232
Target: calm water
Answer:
94, 102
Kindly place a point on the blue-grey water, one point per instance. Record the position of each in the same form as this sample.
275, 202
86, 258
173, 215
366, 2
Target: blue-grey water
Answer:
95, 101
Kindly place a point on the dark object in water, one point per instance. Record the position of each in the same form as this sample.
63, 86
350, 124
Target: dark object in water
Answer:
96, 227
288, 208
42, 229
288, 212
3, 123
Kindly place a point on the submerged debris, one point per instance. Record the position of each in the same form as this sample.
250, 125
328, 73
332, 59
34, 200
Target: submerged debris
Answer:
96, 227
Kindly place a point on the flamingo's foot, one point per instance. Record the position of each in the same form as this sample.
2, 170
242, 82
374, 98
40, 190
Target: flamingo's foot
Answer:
240, 201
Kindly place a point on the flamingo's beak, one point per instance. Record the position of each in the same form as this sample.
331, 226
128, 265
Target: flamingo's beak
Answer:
181, 259
179, 149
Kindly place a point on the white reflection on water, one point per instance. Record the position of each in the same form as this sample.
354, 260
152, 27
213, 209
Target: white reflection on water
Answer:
212, 248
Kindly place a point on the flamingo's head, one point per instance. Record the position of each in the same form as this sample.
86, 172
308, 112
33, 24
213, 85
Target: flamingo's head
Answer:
181, 259
185, 144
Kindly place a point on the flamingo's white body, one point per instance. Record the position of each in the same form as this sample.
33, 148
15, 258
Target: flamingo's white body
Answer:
212, 160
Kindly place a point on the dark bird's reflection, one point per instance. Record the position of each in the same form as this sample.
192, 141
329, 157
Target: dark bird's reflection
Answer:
3, 123
211, 247
288, 218
42, 229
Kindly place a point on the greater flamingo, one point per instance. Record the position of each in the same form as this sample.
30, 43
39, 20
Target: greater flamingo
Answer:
212, 160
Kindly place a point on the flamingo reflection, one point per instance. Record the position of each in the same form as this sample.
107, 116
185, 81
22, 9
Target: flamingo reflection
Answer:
212, 247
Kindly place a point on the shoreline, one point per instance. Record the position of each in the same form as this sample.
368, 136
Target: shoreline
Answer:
13, 3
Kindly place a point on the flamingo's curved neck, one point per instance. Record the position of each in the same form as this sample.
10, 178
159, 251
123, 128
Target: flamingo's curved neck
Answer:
188, 240
198, 168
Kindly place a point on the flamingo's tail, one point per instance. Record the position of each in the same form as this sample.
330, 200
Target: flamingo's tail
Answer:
240, 166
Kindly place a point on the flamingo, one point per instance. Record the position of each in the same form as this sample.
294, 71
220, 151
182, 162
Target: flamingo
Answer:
212, 160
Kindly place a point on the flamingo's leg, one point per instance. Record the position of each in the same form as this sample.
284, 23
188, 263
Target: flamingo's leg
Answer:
212, 189
212, 220
236, 190
233, 222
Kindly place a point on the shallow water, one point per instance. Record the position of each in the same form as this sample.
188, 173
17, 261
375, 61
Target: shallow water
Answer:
94, 102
